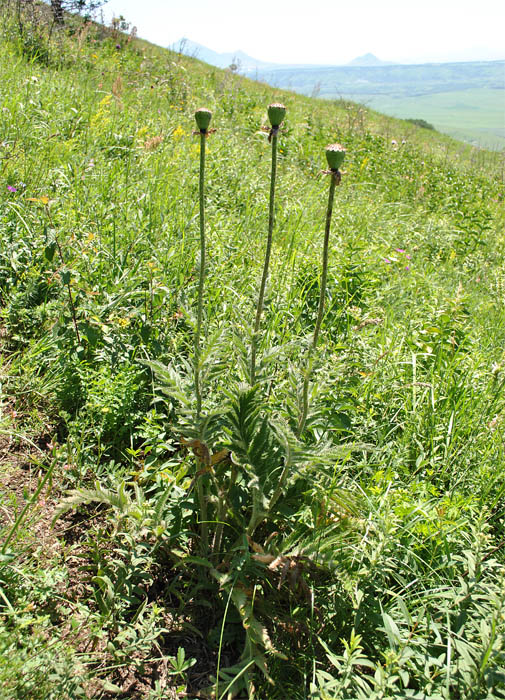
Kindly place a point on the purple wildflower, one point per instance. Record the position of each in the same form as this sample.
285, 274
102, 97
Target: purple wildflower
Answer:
387, 260
400, 250
11, 188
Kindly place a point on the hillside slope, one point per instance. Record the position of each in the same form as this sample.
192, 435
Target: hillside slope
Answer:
362, 558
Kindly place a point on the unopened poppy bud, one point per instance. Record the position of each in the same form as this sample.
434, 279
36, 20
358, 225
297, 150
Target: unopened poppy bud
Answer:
335, 154
202, 117
276, 113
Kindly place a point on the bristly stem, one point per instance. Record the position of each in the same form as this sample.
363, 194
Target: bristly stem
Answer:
335, 179
201, 281
202, 117
276, 114
261, 297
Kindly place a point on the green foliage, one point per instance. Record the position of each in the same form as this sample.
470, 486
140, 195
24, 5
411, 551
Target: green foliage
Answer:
443, 643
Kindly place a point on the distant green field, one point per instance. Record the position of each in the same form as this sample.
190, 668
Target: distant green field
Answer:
476, 115
464, 100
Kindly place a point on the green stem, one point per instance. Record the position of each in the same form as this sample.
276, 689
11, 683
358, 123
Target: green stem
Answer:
200, 489
201, 281
258, 516
278, 491
204, 526
335, 178
221, 512
271, 219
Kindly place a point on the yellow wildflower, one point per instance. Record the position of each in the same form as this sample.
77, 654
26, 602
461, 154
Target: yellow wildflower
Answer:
178, 133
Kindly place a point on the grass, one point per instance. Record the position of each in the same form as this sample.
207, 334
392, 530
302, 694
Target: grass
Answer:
361, 559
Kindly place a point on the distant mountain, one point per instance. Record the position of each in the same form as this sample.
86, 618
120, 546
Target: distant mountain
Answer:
368, 60
248, 65
244, 63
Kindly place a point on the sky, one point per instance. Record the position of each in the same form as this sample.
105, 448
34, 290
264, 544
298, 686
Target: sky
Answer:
326, 31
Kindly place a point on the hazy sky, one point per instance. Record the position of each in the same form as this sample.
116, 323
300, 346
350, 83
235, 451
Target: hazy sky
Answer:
326, 31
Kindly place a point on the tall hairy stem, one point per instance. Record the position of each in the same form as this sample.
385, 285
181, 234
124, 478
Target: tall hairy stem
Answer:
221, 512
335, 178
266, 264
202, 117
201, 281
202, 496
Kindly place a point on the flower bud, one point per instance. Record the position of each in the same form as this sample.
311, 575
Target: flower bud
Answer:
335, 154
202, 117
276, 112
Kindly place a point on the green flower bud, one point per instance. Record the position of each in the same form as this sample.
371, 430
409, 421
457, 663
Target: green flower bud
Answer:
276, 113
202, 117
335, 155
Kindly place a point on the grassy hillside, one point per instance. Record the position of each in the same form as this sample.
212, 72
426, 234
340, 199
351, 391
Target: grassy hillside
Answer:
156, 546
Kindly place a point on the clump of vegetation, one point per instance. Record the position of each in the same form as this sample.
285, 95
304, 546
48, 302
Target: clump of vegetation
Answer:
421, 122
324, 520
